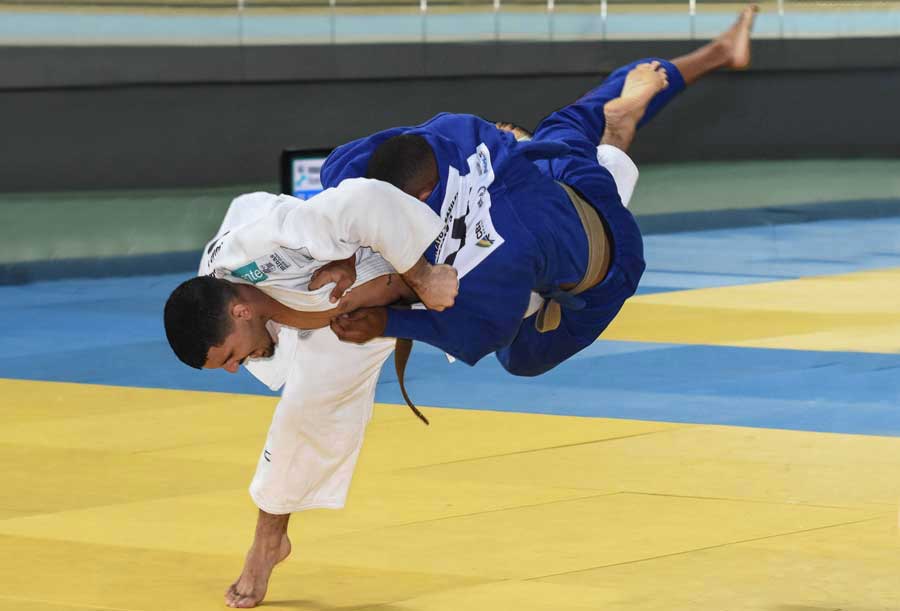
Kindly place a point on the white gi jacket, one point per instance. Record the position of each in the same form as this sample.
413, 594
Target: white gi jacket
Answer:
276, 243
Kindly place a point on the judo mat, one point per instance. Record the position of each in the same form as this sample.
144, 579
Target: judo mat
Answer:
731, 444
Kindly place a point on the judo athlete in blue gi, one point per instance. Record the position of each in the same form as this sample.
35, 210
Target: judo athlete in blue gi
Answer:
528, 216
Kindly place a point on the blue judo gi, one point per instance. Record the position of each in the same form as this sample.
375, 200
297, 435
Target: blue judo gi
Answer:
511, 229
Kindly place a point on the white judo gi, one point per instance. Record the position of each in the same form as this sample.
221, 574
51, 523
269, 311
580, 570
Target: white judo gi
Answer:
276, 243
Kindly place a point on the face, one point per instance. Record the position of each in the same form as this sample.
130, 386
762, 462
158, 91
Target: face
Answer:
249, 338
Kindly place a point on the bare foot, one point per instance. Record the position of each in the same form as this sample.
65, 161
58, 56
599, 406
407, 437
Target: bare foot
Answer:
519, 132
623, 113
643, 82
735, 41
250, 588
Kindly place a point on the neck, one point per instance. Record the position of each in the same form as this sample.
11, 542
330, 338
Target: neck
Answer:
270, 309
263, 305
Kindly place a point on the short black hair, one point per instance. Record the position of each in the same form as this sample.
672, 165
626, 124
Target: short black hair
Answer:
196, 318
405, 161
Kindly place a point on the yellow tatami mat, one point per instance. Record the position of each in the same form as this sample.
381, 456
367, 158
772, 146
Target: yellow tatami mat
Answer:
857, 312
131, 499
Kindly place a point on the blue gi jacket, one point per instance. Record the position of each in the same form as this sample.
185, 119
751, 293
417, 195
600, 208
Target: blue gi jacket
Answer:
509, 229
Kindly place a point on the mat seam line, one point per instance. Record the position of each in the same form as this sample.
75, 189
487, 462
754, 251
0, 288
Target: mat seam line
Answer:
675, 427
740, 500
710, 547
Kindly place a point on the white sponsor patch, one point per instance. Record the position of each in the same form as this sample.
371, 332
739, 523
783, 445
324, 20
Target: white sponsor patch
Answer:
277, 262
468, 236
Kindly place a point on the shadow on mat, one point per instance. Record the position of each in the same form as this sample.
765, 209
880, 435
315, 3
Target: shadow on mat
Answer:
817, 608
313, 605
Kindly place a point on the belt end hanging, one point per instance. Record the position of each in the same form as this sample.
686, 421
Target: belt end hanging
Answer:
401, 356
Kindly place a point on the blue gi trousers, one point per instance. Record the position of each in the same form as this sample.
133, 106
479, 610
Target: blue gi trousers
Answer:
580, 125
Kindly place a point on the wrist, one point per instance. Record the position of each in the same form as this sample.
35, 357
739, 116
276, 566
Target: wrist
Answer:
415, 275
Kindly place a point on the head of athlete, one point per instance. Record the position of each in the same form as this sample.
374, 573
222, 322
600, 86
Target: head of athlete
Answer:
214, 324
408, 163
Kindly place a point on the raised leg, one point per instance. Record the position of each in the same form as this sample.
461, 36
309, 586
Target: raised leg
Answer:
730, 50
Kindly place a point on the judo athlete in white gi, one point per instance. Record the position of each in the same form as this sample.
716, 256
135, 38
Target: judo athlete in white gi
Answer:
252, 304
263, 280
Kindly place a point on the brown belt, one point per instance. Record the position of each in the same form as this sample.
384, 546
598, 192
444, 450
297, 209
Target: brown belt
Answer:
402, 351
550, 314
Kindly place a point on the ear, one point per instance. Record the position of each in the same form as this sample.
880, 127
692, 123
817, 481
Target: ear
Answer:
424, 194
241, 311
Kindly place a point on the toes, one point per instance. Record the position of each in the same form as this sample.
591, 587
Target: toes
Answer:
236, 599
749, 13
663, 77
246, 603
241, 601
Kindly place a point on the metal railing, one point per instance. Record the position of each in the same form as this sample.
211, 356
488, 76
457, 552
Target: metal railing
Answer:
353, 21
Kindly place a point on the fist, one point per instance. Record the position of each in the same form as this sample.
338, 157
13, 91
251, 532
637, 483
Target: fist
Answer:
360, 326
436, 285
442, 288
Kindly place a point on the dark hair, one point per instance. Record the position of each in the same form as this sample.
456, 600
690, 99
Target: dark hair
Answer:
196, 318
405, 161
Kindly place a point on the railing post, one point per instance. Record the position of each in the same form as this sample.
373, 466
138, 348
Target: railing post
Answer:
240, 10
332, 4
692, 12
604, 11
551, 8
781, 18
423, 10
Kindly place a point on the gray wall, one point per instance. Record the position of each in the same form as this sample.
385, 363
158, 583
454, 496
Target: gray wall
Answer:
165, 117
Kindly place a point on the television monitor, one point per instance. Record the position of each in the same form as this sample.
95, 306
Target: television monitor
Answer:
300, 171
